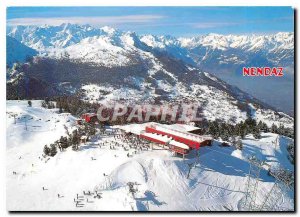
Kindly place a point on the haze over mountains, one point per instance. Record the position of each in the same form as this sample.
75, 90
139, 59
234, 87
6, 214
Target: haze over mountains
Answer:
116, 52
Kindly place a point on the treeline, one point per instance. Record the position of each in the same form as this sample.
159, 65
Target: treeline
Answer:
217, 128
74, 105
281, 130
226, 131
72, 140
77, 106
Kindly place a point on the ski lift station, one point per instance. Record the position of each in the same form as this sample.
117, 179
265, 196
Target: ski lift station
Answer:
176, 137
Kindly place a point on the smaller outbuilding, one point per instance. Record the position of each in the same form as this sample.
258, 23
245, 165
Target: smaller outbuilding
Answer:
89, 117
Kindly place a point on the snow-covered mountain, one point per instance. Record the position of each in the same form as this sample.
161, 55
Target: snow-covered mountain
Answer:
43, 37
201, 50
112, 49
226, 55
126, 66
227, 49
17, 52
230, 49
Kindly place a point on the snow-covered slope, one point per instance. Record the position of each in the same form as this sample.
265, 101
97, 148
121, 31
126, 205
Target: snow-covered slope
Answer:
269, 117
17, 52
217, 100
217, 182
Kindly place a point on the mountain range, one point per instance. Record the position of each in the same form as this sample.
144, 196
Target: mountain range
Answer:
234, 50
105, 64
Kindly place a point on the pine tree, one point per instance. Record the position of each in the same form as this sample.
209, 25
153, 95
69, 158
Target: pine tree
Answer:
46, 150
239, 144
53, 150
281, 130
63, 142
257, 133
274, 128
75, 140
75, 147
44, 104
92, 130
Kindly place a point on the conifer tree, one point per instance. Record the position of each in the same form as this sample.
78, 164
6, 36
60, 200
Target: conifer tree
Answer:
46, 150
53, 150
239, 144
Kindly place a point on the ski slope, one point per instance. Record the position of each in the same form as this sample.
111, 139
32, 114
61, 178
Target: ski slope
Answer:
164, 182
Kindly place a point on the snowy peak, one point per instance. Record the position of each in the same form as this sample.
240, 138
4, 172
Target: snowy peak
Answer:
44, 37
67, 34
284, 40
111, 48
109, 30
198, 51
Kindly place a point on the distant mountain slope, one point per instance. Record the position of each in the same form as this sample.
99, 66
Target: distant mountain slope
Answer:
226, 55
17, 52
228, 49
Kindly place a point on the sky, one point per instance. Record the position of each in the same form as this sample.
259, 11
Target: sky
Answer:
176, 21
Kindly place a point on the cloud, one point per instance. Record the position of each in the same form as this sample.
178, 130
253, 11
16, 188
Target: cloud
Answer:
96, 21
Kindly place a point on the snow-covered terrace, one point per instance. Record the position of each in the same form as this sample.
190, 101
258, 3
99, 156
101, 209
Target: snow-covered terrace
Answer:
165, 139
186, 135
139, 128
162, 138
179, 144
